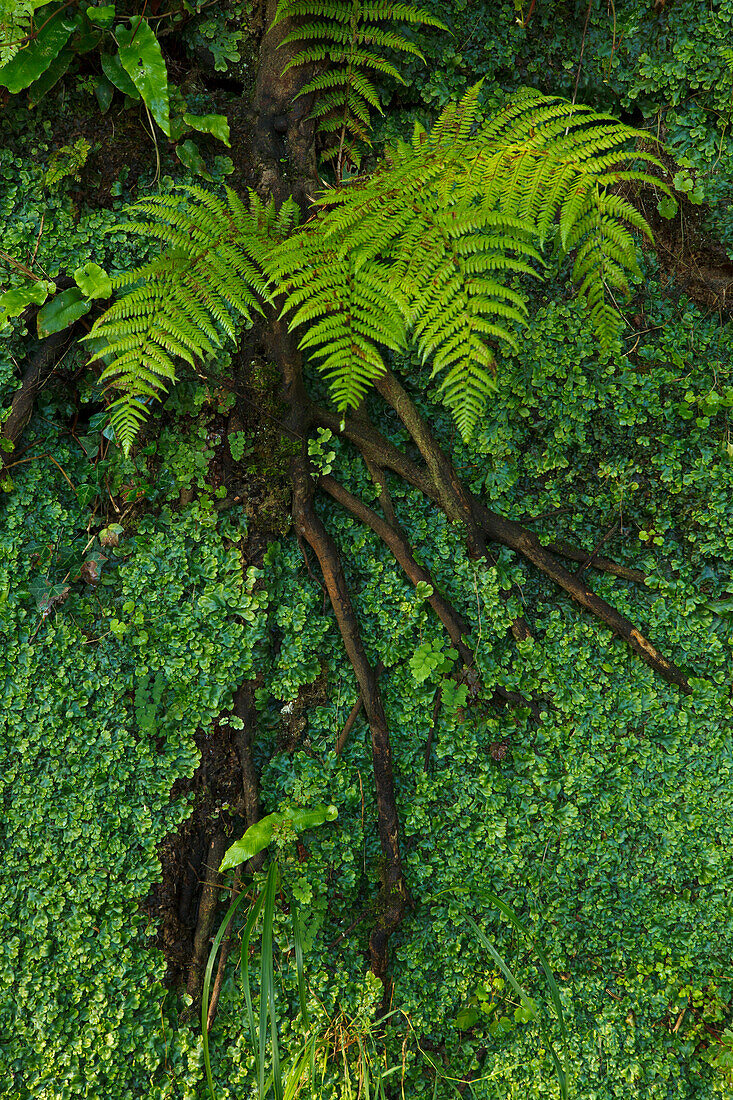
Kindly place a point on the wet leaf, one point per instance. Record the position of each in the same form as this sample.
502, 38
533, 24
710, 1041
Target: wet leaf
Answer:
37, 56
143, 61
62, 311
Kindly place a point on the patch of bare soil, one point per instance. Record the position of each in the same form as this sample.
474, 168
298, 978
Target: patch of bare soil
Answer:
173, 903
691, 259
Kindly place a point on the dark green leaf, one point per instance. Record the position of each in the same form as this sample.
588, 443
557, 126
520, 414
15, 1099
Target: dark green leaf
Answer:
104, 92
35, 58
217, 125
102, 16
52, 75
188, 154
116, 75
62, 311
142, 60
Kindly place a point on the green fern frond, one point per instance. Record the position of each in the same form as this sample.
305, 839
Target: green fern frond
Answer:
431, 250
184, 304
465, 209
350, 37
350, 312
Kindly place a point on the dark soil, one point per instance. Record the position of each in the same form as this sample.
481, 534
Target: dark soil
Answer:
172, 905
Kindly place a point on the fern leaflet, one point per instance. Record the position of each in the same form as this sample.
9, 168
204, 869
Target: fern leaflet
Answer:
186, 302
349, 39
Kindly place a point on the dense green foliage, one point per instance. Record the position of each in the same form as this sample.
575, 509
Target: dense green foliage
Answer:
101, 699
427, 250
352, 36
605, 824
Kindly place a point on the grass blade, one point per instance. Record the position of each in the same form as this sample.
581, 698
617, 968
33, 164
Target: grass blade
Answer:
244, 971
298, 943
498, 960
552, 984
207, 985
267, 990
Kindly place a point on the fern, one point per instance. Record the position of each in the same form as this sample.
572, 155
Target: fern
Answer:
350, 311
457, 214
186, 302
15, 23
430, 251
345, 40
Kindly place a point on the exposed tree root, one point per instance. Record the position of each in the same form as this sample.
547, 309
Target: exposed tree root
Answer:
479, 523
564, 549
244, 709
526, 543
354, 714
206, 918
454, 624
40, 367
311, 530
394, 895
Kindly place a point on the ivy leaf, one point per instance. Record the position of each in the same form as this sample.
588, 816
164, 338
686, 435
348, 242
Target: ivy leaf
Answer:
116, 75
62, 311
102, 16
216, 125
47, 595
93, 281
143, 61
36, 57
189, 155
13, 302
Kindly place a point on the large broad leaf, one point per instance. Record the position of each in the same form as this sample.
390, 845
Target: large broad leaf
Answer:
62, 311
51, 77
116, 75
188, 154
216, 125
36, 57
141, 57
13, 302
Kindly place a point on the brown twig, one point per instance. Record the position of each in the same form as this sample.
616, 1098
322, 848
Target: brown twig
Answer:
223, 955
206, 917
353, 715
